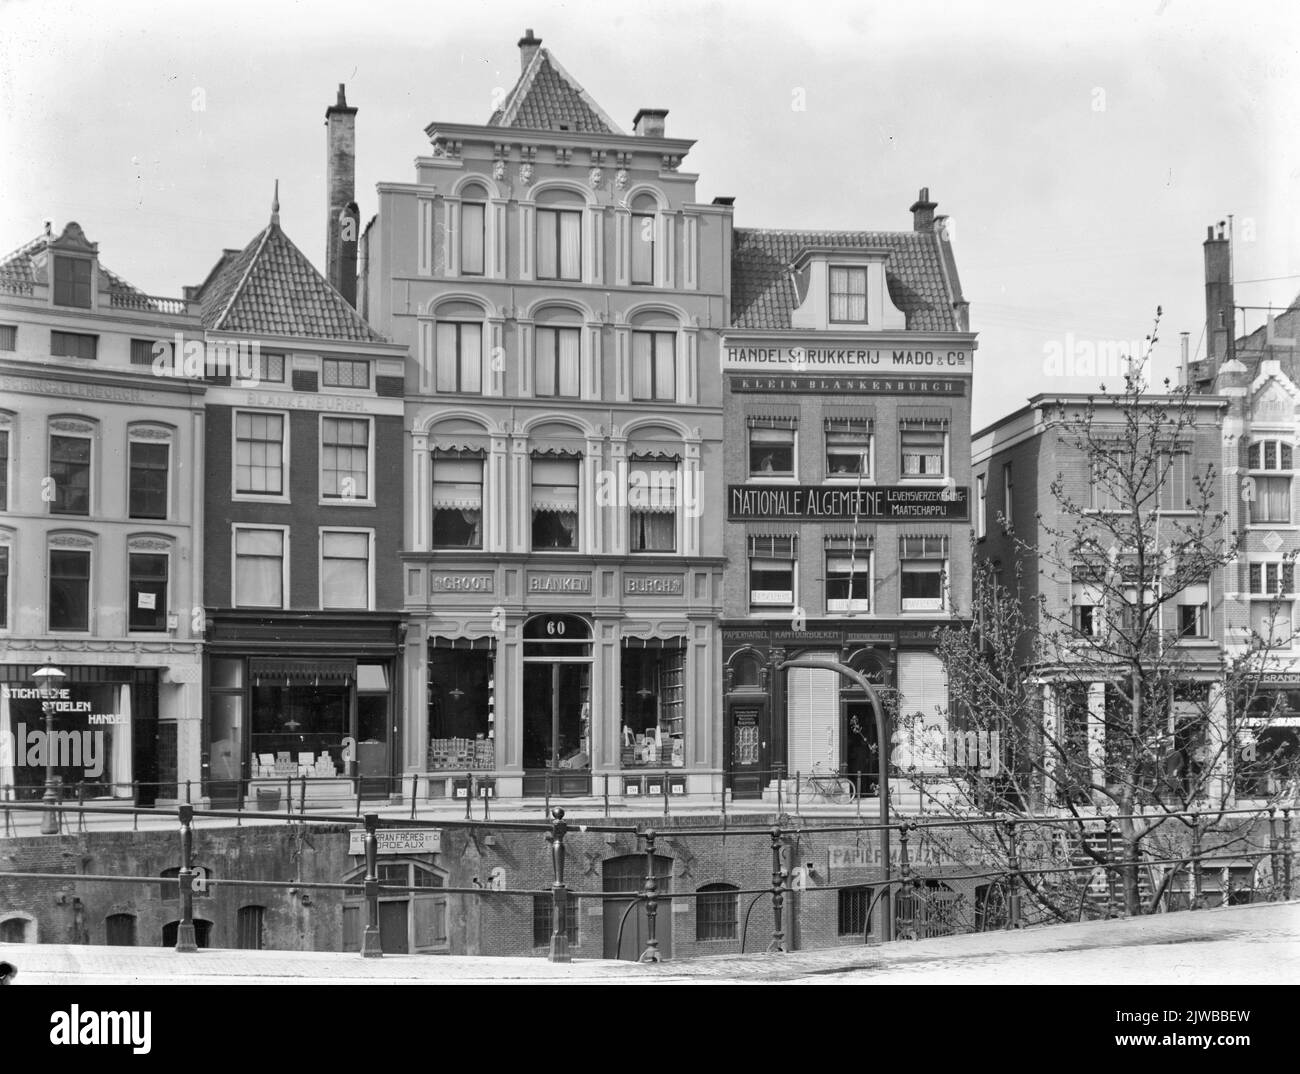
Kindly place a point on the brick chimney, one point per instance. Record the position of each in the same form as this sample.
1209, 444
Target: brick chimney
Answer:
528, 46
340, 188
649, 122
922, 211
1220, 333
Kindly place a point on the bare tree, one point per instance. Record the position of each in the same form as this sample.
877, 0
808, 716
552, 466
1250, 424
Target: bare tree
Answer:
1117, 702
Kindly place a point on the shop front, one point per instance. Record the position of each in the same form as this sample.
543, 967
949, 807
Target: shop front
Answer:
813, 720
301, 715
96, 728
1268, 741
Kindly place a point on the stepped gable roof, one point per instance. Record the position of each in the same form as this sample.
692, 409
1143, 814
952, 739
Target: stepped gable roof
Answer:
763, 293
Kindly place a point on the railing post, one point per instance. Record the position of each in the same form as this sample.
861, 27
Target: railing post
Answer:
780, 788
559, 893
1110, 872
1274, 852
777, 946
904, 929
665, 794
547, 785
288, 794
1196, 864
415, 791
1013, 878
81, 805
185, 939
469, 795
371, 947
358, 779
302, 796
1286, 853
651, 952
486, 797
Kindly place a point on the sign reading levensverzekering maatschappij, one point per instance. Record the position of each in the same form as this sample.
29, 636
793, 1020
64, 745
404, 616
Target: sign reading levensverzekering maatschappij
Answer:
823, 503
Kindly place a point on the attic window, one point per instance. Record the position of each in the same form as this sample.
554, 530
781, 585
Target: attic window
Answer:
72, 281
848, 292
564, 126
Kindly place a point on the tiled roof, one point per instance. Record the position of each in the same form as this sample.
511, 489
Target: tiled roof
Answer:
1252, 348
763, 294
270, 288
21, 265
547, 97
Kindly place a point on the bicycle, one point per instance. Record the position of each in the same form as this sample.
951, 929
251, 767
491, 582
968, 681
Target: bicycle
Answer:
832, 786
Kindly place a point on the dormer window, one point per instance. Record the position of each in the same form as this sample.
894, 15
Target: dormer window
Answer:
72, 276
848, 295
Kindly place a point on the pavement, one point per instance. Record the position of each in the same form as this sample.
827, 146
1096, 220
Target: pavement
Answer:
1255, 944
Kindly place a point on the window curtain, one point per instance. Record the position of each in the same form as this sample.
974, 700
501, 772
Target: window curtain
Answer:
642, 370
570, 245
258, 568
344, 570
555, 495
568, 361
545, 347
120, 756
8, 749
1272, 500
447, 357
458, 487
922, 453
848, 295
652, 499
665, 365
471, 238
558, 361
643, 248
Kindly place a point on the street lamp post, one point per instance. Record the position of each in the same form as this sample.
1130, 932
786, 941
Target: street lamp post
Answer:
47, 685
882, 765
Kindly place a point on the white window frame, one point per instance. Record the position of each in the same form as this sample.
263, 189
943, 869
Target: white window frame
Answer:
766, 607
486, 206
651, 331
92, 483
164, 630
345, 389
484, 377
133, 437
285, 467
851, 604
92, 604
780, 475
339, 501
9, 540
9, 425
286, 600
579, 543
981, 506
1263, 471
578, 211
940, 477
869, 477
635, 462
831, 269
370, 567
1008, 494
1202, 614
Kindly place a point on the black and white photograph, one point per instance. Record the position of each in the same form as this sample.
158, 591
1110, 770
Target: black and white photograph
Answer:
649, 493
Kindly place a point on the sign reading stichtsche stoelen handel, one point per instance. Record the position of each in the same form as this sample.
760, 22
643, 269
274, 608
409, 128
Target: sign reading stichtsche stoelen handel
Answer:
819, 503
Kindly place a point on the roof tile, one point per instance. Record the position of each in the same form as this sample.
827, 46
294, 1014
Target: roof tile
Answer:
763, 294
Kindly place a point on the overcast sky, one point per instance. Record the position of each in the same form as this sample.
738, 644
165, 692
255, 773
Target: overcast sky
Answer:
1080, 149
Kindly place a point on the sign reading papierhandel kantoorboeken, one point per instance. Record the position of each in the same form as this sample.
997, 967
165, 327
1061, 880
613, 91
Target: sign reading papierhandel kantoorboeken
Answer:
822, 503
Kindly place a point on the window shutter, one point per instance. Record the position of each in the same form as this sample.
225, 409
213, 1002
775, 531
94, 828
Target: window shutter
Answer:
924, 685
813, 705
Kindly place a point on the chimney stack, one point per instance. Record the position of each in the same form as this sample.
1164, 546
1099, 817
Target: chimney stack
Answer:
528, 46
1220, 334
340, 180
922, 211
649, 122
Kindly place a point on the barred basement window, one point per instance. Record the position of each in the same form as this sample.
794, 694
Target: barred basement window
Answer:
715, 912
542, 925
852, 919
249, 925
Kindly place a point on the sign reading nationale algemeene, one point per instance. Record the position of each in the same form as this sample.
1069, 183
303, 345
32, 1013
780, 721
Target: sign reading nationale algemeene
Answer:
820, 503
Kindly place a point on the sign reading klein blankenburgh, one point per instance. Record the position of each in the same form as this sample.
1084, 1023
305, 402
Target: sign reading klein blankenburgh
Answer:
828, 503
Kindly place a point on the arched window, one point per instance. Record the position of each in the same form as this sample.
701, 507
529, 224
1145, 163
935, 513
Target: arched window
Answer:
654, 357
746, 671
249, 925
557, 354
18, 928
644, 209
715, 911
458, 348
559, 236
473, 229
202, 933
119, 930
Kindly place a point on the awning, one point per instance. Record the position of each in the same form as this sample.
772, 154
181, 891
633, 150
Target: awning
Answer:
274, 671
677, 641
924, 415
